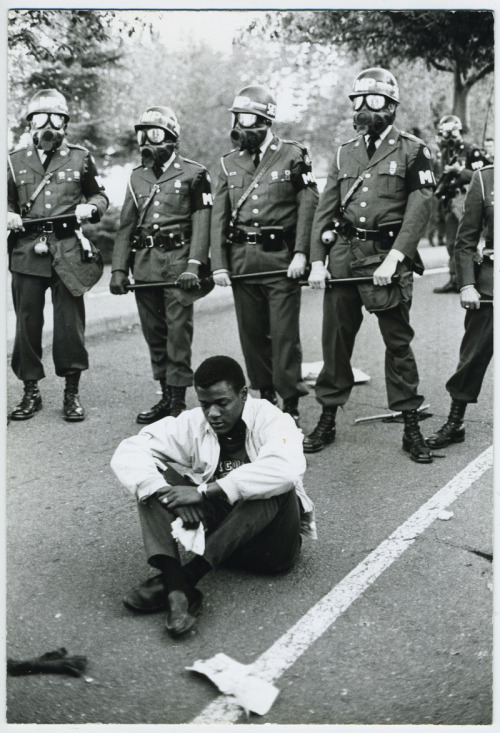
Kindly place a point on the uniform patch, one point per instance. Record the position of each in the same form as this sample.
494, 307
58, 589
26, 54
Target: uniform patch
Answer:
393, 166
177, 184
308, 178
61, 175
426, 177
426, 152
274, 175
207, 199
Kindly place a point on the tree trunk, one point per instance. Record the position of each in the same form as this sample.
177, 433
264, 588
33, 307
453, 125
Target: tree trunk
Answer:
460, 96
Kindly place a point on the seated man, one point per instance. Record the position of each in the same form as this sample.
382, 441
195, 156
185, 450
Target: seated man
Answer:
242, 466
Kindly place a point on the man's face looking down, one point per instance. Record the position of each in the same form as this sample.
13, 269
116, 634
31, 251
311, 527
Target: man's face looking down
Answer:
221, 405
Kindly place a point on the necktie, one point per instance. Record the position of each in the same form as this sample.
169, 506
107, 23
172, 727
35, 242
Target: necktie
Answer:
48, 158
256, 158
371, 148
157, 170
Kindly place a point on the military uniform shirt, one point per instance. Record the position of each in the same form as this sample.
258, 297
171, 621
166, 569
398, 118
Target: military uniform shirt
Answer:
477, 217
285, 196
183, 198
74, 180
390, 192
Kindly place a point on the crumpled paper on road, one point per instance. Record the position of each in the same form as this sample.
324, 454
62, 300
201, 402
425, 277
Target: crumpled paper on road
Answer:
311, 370
192, 540
233, 678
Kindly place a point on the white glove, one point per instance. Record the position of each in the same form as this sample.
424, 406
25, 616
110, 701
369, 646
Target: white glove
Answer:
221, 277
14, 221
318, 275
297, 266
84, 211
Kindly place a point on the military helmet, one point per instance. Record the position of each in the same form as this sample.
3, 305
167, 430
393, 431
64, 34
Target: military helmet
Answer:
450, 123
255, 100
163, 117
376, 81
48, 101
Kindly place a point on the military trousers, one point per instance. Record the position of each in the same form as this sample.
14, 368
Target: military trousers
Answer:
68, 341
269, 329
168, 329
476, 351
261, 535
342, 318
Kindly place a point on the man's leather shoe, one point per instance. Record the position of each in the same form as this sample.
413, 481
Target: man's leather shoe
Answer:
182, 613
413, 440
270, 395
449, 287
30, 403
148, 597
446, 435
323, 433
72, 407
161, 409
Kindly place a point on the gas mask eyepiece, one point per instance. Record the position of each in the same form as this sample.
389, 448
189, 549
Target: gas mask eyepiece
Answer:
156, 146
372, 114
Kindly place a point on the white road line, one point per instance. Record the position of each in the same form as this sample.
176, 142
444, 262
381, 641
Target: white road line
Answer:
286, 650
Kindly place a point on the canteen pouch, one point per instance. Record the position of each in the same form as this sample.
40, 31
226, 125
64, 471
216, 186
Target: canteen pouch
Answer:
381, 297
77, 275
483, 272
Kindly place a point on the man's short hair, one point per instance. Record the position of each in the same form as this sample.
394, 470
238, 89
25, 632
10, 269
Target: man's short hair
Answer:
219, 369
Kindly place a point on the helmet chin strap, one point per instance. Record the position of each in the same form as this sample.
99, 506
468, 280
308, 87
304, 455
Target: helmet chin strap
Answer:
248, 139
48, 140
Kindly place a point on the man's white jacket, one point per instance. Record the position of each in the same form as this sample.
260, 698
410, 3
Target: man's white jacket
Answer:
273, 444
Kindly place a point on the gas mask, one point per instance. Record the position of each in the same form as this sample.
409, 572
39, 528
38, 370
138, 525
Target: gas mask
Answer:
48, 130
449, 139
372, 114
156, 146
249, 130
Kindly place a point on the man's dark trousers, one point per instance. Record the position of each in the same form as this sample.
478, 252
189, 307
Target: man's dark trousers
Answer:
68, 342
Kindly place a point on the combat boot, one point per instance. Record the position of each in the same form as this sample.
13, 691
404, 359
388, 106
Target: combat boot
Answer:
413, 440
291, 407
72, 407
453, 430
30, 403
161, 409
323, 433
270, 395
177, 400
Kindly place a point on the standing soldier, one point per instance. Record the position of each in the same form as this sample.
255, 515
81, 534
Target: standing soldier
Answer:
263, 211
56, 184
374, 207
165, 221
459, 161
475, 279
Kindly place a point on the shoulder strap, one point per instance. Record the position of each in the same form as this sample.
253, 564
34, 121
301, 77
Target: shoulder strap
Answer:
357, 183
36, 192
142, 213
256, 179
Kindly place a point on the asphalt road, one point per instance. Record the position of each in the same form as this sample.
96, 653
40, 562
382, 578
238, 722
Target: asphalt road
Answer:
414, 648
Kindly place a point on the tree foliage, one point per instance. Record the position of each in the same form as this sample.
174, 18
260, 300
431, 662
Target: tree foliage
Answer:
68, 50
460, 42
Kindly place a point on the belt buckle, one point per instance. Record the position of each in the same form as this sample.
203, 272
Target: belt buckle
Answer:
151, 241
252, 237
48, 227
361, 234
